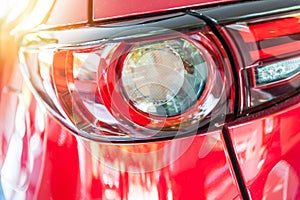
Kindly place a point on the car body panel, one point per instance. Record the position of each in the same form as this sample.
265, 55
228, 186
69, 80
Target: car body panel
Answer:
103, 10
112, 10
66, 12
267, 146
50, 162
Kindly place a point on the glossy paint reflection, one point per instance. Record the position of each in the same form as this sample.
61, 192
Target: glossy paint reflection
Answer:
117, 9
21, 125
78, 169
282, 182
15, 141
21, 143
267, 148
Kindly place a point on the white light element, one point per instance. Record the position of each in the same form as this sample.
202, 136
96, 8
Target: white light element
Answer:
277, 71
158, 75
164, 78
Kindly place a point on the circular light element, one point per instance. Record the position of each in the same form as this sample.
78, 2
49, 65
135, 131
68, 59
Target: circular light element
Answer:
164, 78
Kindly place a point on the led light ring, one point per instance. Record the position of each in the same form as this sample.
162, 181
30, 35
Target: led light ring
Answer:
108, 87
118, 104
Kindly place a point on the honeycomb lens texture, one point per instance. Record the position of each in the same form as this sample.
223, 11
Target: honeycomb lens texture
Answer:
164, 78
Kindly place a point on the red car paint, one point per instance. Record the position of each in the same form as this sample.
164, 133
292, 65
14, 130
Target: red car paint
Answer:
67, 12
104, 10
56, 165
267, 148
40, 159
126, 8
141, 171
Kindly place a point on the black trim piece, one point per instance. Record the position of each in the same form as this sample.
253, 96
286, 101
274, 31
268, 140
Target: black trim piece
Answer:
215, 30
225, 133
235, 164
247, 10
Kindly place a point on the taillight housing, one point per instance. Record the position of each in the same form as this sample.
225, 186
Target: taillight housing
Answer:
153, 78
267, 55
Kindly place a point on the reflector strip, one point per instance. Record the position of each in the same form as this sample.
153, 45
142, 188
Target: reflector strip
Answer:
277, 71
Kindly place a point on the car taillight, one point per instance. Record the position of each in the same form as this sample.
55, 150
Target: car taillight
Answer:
268, 55
165, 77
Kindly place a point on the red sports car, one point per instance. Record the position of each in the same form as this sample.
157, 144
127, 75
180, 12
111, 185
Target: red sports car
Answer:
168, 100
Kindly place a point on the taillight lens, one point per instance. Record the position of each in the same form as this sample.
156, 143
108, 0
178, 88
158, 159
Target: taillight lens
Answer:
139, 84
165, 78
268, 57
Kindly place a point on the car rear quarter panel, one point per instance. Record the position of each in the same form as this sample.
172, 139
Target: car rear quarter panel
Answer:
116, 8
267, 147
49, 162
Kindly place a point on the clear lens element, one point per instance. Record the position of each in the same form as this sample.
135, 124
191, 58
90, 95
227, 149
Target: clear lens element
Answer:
164, 78
277, 71
134, 89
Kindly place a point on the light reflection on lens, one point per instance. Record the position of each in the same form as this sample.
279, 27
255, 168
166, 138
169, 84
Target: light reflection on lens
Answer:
164, 78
